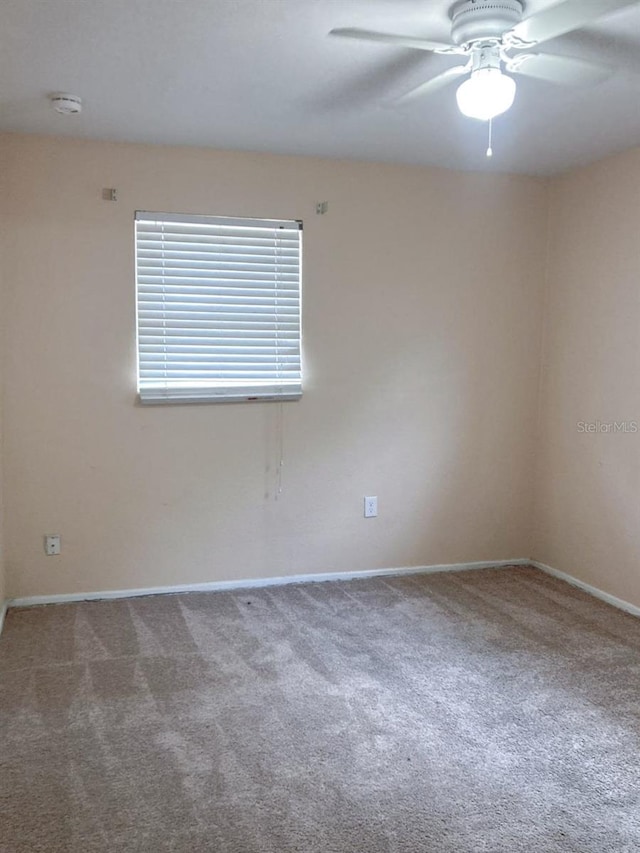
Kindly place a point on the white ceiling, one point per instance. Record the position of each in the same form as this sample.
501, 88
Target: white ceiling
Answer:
262, 75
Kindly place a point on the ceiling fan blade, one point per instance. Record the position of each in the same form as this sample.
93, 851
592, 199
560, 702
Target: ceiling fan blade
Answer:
400, 41
433, 85
559, 69
560, 19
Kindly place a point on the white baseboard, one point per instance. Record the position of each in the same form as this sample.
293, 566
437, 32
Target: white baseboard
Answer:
586, 587
254, 583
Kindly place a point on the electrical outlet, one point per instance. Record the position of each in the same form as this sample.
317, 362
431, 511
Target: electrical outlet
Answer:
370, 507
51, 544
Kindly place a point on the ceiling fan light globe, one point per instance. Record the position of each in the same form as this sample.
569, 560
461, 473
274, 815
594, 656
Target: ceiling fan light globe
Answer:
486, 94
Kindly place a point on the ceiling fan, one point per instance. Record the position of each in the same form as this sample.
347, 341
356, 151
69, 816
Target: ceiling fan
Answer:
494, 36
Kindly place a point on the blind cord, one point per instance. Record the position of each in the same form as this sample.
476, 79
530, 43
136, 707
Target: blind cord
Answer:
280, 448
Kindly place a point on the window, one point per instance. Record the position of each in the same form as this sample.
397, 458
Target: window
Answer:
218, 305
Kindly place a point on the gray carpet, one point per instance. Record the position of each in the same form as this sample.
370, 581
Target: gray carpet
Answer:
484, 711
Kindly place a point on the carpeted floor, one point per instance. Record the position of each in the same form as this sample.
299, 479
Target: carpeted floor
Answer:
494, 711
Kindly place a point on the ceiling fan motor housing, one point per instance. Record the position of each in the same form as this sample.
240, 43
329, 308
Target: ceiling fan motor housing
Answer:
483, 20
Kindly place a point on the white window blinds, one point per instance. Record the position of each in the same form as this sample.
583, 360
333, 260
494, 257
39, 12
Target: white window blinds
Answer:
218, 303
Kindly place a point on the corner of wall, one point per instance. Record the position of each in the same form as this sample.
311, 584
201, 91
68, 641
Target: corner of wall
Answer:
534, 530
3, 584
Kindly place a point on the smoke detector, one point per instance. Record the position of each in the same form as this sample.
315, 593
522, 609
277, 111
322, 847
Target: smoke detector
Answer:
483, 20
66, 105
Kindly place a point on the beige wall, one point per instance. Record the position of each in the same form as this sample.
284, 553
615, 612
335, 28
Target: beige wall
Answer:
588, 484
3, 583
423, 298
3, 190
422, 311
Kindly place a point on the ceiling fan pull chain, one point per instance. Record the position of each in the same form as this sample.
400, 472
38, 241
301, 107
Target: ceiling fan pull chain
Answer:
490, 148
